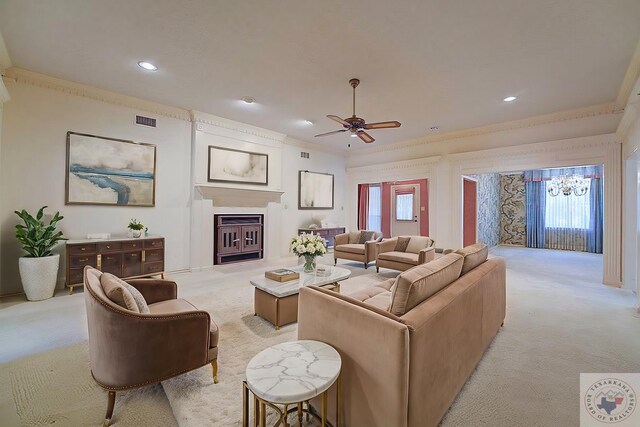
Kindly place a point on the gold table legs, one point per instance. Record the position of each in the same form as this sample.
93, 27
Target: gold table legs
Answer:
260, 409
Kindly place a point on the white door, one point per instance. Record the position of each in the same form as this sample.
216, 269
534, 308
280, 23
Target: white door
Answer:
405, 210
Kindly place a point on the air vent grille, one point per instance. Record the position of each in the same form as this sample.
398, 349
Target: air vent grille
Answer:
145, 121
304, 154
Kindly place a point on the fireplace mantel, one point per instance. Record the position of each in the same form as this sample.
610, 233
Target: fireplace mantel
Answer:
239, 197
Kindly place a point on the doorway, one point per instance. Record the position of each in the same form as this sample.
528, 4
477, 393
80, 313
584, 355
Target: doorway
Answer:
405, 210
631, 224
469, 211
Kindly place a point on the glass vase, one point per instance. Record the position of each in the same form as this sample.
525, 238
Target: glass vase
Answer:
309, 263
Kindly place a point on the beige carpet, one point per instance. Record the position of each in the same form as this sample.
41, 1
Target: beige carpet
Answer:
560, 322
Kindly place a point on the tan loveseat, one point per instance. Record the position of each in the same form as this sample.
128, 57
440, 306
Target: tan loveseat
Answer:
128, 349
404, 252
356, 247
409, 345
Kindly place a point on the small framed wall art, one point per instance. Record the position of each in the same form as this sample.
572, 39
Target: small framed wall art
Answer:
315, 190
109, 171
237, 166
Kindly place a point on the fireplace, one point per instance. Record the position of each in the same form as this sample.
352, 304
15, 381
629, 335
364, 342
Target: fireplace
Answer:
238, 237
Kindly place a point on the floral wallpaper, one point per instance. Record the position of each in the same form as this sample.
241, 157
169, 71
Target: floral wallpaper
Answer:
513, 228
488, 208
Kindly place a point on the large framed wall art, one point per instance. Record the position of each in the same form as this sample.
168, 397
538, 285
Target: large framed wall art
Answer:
315, 190
109, 171
237, 166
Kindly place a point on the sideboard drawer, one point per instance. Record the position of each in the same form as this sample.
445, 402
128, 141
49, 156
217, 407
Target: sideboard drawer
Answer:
79, 261
153, 267
111, 246
82, 249
153, 244
76, 276
153, 255
132, 245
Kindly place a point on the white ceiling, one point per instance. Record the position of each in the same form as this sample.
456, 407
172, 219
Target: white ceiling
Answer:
425, 63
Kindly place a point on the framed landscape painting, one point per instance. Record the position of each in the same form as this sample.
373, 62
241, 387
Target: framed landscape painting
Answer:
109, 171
315, 190
237, 166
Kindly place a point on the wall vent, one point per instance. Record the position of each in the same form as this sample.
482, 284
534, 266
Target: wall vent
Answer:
304, 154
145, 121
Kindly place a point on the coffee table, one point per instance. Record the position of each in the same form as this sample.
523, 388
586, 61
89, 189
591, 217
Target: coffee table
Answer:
277, 302
290, 374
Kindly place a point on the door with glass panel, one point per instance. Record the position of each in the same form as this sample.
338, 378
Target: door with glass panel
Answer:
405, 210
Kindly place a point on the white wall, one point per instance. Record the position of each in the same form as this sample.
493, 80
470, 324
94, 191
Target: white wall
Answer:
32, 172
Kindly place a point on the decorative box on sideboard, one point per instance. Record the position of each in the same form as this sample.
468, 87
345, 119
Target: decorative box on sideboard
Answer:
327, 233
126, 258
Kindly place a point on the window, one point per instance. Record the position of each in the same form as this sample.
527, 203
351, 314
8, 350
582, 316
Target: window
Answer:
567, 211
404, 207
374, 211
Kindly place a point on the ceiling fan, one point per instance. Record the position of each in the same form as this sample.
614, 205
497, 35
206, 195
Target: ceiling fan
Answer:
356, 125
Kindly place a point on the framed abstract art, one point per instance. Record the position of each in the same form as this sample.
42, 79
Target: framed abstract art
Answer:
237, 166
315, 190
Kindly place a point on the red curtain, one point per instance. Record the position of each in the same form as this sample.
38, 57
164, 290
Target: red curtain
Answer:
363, 205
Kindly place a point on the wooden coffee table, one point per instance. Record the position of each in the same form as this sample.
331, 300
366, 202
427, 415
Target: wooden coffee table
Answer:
277, 302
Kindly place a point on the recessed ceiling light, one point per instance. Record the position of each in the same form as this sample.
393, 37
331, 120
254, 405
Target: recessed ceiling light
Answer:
510, 98
249, 99
308, 122
434, 128
147, 66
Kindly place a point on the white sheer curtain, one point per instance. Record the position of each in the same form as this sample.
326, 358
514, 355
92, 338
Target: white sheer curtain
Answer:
567, 220
374, 213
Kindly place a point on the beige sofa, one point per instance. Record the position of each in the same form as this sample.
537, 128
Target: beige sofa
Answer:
404, 252
409, 345
356, 247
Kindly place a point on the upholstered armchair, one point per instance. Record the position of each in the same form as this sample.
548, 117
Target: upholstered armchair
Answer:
356, 246
129, 349
404, 252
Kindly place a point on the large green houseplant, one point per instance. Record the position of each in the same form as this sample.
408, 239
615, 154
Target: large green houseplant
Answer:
39, 268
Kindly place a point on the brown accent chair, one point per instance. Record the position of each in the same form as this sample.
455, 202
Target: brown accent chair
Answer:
419, 250
349, 246
130, 350
408, 345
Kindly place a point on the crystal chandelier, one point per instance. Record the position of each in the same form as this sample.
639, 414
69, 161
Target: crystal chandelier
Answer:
567, 184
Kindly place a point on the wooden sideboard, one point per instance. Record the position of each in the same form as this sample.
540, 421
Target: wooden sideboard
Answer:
124, 257
327, 233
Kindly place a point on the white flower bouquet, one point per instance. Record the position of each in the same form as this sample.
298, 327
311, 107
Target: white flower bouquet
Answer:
308, 245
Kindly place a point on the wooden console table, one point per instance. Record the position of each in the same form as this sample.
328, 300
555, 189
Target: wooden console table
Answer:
327, 233
123, 257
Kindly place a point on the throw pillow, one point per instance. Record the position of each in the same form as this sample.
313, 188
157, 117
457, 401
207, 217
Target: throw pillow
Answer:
402, 243
474, 255
418, 243
354, 237
139, 298
117, 292
365, 236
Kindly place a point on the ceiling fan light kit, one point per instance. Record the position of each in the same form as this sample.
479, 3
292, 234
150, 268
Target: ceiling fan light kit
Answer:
357, 125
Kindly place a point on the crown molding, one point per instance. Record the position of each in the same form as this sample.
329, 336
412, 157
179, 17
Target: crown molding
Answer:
629, 83
21, 76
232, 125
631, 112
424, 162
309, 146
561, 116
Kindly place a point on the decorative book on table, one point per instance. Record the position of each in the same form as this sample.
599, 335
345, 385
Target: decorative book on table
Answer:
282, 275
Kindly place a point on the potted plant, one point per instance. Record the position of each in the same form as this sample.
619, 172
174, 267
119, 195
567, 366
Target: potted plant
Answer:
136, 227
39, 268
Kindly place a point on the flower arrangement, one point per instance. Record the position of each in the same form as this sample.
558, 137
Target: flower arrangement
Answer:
308, 246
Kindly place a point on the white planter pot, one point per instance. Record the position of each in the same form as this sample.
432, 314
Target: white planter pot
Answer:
39, 276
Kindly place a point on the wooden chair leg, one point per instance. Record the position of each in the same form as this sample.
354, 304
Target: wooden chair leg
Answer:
214, 368
335, 261
111, 403
366, 265
377, 269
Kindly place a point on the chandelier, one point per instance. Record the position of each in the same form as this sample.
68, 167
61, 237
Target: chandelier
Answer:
567, 184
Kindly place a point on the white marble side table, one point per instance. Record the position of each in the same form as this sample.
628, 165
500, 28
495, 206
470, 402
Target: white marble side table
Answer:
290, 374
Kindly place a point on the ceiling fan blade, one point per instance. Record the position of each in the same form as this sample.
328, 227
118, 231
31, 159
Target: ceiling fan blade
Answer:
382, 125
339, 120
331, 133
365, 137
